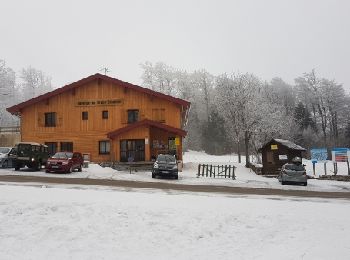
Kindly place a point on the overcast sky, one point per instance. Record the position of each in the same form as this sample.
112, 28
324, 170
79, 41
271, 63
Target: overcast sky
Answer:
69, 40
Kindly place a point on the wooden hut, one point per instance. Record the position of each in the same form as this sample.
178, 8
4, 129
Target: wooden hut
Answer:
276, 153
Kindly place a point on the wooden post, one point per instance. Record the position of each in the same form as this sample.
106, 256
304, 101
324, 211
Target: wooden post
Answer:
233, 173
214, 170
199, 170
313, 167
206, 170
325, 168
348, 166
211, 169
203, 166
225, 170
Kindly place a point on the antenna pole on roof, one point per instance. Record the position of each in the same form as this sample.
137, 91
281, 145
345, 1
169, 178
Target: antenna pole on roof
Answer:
105, 70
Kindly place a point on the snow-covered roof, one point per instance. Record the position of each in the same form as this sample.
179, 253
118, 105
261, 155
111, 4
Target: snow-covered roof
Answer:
290, 144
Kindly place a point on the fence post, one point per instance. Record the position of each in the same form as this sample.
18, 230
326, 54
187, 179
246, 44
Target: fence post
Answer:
203, 166
233, 173
211, 169
199, 170
214, 171
225, 170
229, 171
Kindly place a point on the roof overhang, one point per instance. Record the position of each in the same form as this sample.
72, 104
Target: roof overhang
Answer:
146, 122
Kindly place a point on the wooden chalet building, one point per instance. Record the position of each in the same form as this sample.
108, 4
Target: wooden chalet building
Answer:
107, 118
276, 153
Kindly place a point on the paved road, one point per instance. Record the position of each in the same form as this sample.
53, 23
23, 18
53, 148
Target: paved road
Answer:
174, 186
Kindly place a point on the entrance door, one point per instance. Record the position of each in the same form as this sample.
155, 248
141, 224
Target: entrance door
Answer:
132, 150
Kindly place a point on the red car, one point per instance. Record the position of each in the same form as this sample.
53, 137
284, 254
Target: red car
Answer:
65, 162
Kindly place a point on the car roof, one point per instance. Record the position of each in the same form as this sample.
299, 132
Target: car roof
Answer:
32, 143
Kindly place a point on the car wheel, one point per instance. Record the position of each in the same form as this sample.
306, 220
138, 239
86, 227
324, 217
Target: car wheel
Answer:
70, 169
38, 166
80, 168
5, 164
17, 167
283, 182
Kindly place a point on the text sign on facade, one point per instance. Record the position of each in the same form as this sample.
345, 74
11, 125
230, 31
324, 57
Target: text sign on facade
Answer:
99, 102
340, 154
319, 155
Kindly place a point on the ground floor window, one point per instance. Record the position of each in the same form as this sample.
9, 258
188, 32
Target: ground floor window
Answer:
66, 147
132, 150
104, 147
51, 147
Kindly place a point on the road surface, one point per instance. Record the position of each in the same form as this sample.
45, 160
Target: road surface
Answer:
173, 186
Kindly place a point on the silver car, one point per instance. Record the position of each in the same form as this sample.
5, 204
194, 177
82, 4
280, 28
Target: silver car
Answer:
293, 173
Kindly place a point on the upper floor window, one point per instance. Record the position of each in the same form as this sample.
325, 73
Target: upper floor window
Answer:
50, 119
133, 115
84, 115
105, 114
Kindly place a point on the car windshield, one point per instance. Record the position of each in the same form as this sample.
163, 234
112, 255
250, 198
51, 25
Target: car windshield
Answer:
294, 167
24, 149
166, 159
4, 149
62, 155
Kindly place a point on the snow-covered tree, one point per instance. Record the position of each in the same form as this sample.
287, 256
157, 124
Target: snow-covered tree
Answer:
8, 94
34, 83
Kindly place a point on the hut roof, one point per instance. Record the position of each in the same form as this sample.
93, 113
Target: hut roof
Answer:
290, 144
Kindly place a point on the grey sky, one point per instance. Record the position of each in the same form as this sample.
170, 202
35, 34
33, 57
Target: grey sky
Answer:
73, 39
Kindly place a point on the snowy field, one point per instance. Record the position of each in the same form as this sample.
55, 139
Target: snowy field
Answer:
244, 177
56, 222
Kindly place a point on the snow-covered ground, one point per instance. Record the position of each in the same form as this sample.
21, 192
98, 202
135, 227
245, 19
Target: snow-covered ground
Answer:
57, 222
244, 177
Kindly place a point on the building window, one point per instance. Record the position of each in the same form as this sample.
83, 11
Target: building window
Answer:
105, 114
50, 119
66, 147
84, 115
52, 147
133, 116
104, 147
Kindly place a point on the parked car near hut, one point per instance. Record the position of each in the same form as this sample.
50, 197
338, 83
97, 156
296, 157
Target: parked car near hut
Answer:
165, 165
30, 154
293, 173
65, 162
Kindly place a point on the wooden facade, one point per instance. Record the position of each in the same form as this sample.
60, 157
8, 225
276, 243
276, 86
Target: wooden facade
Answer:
98, 115
276, 153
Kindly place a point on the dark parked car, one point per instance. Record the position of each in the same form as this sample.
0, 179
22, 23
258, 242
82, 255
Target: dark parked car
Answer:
6, 157
32, 155
165, 165
65, 162
293, 173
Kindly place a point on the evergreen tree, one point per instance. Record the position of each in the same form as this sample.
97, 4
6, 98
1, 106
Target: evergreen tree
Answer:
214, 139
